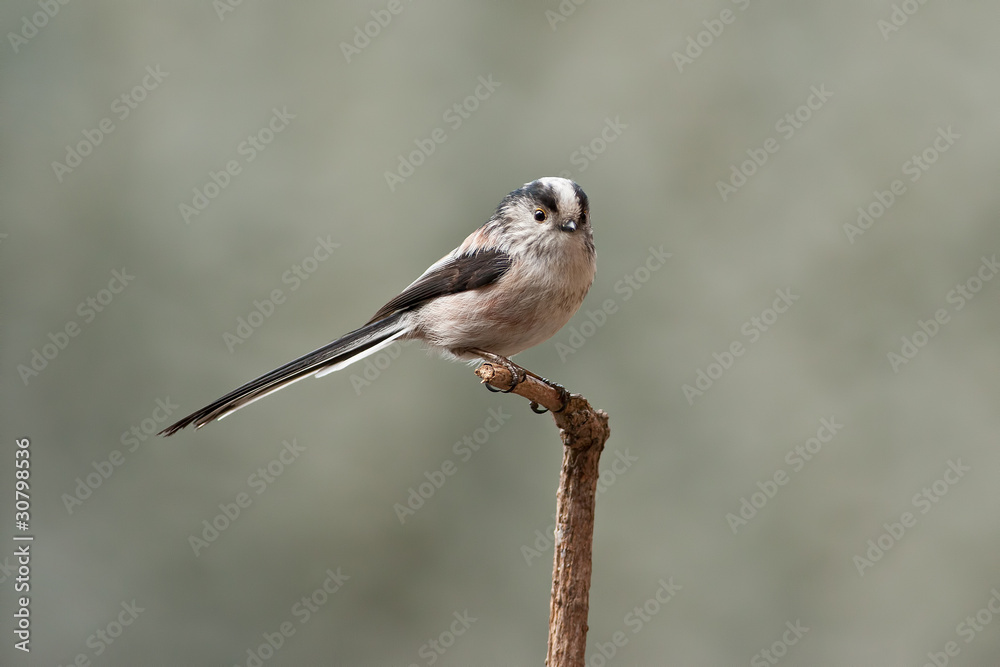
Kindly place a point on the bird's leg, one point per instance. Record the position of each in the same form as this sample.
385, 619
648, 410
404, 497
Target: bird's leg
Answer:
517, 377
563, 394
516, 372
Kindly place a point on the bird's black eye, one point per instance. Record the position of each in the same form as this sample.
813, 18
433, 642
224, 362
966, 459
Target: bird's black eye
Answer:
539, 215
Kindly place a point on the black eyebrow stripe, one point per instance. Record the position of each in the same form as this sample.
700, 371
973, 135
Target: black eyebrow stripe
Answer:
548, 199
581, 198
544, 195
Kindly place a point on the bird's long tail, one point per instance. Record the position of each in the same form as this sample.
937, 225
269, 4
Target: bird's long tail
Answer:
331, 357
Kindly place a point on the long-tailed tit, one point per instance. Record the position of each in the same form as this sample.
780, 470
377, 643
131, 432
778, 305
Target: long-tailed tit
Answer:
512, 284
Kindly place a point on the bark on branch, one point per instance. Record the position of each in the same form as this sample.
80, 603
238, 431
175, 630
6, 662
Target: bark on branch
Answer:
583, 431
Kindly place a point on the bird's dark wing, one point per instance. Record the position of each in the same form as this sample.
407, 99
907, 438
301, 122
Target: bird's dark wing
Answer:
458, 274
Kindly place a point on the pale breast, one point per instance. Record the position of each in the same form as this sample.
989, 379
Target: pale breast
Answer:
524, 308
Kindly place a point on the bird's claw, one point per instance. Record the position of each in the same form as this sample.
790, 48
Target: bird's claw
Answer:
563, 394
519, 375
515, 373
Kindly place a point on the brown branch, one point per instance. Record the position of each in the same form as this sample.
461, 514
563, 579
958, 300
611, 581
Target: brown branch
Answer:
583, 431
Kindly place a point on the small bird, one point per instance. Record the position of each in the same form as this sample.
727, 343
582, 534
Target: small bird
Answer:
512, 284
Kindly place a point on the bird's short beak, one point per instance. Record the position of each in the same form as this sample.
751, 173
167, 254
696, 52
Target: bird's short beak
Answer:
568, 226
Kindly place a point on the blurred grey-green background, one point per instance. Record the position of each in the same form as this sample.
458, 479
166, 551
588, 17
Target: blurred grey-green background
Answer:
167, 169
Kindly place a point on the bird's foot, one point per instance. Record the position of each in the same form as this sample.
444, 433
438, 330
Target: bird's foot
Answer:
516, 372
